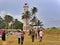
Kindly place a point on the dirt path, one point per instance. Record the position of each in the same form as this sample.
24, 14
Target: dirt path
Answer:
4, 43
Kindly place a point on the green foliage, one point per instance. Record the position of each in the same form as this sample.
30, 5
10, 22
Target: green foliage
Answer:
26, 15
39, 23
34, 20
17, 24
2, 25
1, 19
53, 28
8, 19
34, 10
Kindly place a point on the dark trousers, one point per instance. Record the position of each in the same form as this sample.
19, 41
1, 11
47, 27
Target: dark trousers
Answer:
40, 39
32, 38
3, 37
18, 40
22, 40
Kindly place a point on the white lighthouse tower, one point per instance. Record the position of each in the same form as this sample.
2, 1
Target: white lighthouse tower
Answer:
25, 21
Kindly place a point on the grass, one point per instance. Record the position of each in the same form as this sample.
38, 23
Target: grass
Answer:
0, 42
48, 39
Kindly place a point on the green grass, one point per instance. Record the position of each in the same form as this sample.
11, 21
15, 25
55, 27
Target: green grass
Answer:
49, 38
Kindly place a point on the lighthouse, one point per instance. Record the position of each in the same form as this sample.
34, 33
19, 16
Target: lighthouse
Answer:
25, 21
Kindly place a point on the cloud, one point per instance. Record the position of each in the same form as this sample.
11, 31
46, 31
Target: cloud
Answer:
2, 13
18, 16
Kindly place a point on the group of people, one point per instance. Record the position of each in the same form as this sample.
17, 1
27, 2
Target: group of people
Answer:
39, 34
21, 34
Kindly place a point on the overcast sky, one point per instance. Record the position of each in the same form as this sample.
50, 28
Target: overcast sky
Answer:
48, 10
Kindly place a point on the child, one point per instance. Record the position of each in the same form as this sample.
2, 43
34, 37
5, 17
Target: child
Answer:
19, 36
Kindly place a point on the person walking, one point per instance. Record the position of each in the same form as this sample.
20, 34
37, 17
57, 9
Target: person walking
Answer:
29, 32
3, 34
38, 30
41, 34
32, 34
22, 36
19, 37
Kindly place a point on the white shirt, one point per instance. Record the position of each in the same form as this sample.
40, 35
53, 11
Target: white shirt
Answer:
19, 35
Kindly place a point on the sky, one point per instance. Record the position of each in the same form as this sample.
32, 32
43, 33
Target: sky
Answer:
48, 10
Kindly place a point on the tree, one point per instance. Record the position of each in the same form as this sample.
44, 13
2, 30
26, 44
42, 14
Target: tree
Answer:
1, 19
17, 24
39, 23
26, 15
2, 23
34, 10
34, 20
53, 27
8, 19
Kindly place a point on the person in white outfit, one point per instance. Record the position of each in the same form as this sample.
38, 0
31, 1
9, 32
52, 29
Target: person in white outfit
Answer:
41, 34
19, 36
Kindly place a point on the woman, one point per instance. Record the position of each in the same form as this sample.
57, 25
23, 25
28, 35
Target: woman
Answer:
41, 35
3, 34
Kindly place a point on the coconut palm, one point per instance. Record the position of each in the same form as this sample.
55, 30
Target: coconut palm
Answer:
34, 10
33, 16
8, 19
26, 15
39, 23
34, 20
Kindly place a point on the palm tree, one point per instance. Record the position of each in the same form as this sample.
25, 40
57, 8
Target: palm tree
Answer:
34, 20
33, 16
34, 10
26, 15
39, 23
8, 19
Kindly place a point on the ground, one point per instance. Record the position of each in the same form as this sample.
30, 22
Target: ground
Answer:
48, 39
